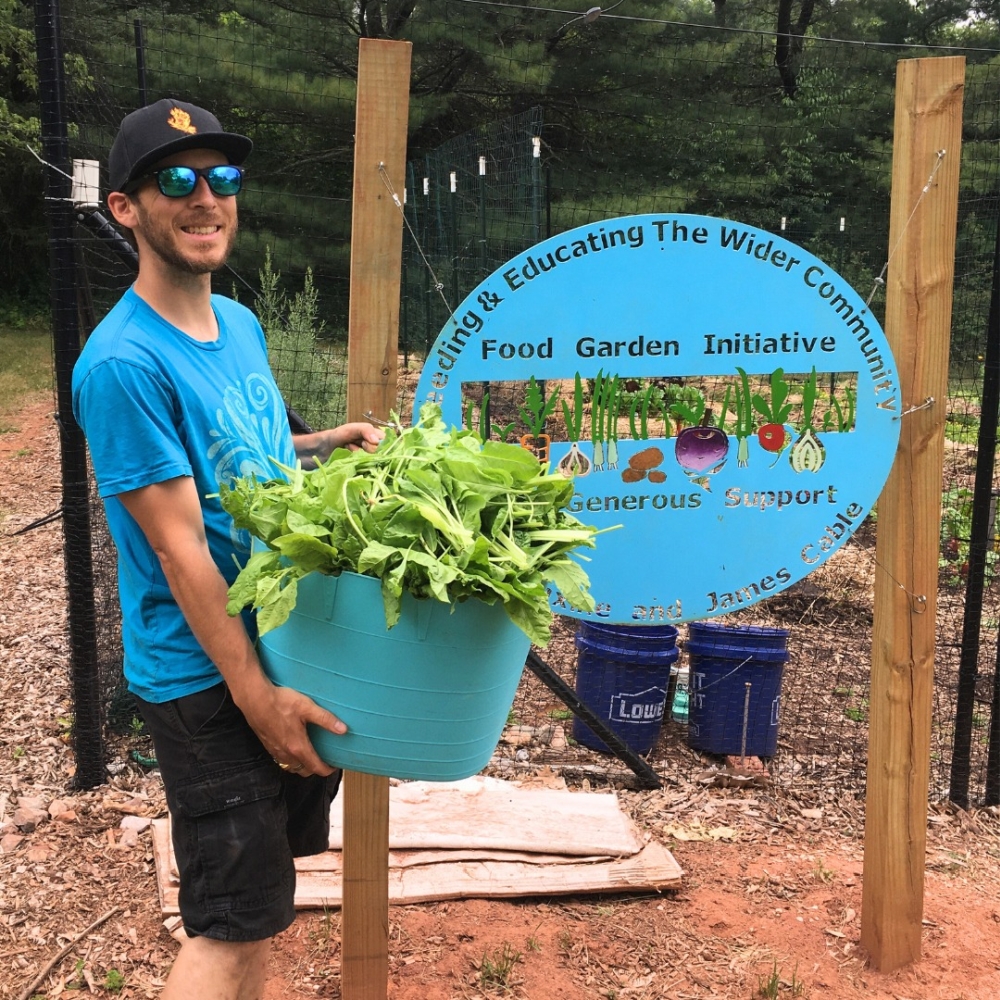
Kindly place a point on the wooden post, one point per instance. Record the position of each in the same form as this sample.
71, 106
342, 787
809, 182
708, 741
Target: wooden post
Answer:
918, 319
373, 334
377, 226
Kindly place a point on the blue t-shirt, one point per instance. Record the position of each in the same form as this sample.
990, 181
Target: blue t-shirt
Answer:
155, 404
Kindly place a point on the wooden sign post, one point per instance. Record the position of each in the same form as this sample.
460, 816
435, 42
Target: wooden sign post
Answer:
926, 158
373, 334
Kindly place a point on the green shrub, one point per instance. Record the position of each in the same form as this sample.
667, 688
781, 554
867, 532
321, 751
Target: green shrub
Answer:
309, 366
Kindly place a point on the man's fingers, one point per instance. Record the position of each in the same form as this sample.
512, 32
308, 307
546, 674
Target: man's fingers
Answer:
327, 720
285, 735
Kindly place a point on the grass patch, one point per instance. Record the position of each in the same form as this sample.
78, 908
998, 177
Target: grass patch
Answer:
773, 987
25, 369
497, 970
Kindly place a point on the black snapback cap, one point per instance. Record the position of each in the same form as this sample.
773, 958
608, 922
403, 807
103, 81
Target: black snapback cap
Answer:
166, 127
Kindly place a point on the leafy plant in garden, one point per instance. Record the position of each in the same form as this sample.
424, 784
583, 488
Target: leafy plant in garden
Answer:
772, 987
307, 372
437, 513
496, 969
114, 981
956, 539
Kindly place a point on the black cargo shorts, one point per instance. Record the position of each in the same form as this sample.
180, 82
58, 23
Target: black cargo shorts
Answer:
237, 819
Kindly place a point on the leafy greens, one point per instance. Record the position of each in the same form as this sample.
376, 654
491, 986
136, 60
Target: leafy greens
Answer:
436, 512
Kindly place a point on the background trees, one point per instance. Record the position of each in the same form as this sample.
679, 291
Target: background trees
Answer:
23, 272
640, 113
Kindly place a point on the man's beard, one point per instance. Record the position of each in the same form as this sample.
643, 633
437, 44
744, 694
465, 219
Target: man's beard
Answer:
160, 240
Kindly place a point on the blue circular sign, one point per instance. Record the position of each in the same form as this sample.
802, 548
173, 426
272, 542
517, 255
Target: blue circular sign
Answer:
723, 398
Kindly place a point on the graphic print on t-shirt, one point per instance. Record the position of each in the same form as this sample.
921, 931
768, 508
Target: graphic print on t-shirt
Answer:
250, 423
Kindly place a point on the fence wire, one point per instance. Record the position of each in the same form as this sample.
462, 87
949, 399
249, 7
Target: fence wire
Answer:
526, 123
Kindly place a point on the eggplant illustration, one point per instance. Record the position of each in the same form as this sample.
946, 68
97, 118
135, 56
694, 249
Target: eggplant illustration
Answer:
701, 450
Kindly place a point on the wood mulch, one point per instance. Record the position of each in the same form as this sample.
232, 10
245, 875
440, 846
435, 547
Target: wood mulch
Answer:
770, 906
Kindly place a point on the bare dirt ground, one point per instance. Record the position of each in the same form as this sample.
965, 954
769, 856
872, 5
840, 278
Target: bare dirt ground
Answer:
770, 904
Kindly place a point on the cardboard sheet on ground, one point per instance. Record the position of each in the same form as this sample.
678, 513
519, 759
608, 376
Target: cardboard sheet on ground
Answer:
481, 837
490, 813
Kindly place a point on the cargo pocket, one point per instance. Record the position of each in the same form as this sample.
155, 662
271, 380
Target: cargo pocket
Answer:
232, 853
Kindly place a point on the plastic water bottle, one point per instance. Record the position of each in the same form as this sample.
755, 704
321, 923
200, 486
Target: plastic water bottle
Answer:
679, 708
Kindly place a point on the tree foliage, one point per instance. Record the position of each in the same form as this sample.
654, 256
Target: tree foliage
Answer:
641, 113
22, 223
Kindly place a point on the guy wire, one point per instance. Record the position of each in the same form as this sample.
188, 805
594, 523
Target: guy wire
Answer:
438, 285
880, 280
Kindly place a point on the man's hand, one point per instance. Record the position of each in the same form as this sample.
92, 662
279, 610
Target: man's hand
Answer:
317, 447
279, 716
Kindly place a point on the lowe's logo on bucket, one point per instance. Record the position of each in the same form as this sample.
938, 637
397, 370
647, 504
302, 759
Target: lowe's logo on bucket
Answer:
642, 706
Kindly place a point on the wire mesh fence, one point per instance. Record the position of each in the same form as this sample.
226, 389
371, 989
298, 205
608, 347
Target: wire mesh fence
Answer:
526, 123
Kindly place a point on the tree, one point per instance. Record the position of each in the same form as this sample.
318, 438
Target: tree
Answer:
22, 222
657, 111
788, 44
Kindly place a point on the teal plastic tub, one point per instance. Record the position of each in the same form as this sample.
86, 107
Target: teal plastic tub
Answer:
427, 699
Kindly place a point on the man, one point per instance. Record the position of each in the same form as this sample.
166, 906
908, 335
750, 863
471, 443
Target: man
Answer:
174, 394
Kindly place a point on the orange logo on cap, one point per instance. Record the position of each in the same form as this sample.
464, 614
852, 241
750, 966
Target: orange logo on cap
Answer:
181, 121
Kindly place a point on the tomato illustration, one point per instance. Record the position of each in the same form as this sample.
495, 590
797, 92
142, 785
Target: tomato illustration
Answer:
772, 437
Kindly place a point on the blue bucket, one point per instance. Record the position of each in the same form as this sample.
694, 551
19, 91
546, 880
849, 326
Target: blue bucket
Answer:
622, 676
427, 699
735, 681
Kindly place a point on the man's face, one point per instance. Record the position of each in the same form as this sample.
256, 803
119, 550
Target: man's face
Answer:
193, 234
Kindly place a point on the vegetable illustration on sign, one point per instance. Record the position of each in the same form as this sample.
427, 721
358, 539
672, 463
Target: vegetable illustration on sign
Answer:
701, 450
535, 411
808, 453
574, 462
604, 421
643, 464
773, 435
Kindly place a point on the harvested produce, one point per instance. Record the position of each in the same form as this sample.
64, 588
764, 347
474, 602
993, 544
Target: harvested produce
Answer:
435, 512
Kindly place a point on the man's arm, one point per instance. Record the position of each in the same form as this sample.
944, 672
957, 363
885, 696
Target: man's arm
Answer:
169, 515
320, 445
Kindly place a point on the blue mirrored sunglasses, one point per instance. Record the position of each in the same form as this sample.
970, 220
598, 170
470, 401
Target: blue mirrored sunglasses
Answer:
179, 182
